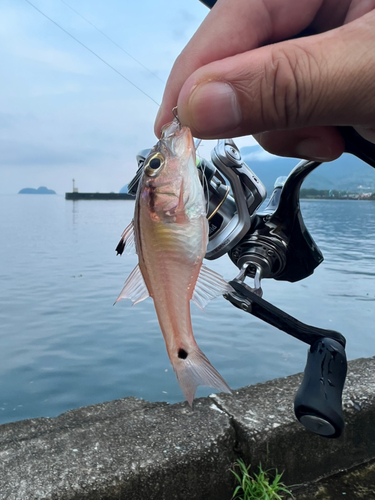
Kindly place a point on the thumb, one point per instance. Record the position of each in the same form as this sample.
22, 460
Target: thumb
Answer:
327, 79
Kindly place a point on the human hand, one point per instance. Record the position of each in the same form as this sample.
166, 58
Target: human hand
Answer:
239, 76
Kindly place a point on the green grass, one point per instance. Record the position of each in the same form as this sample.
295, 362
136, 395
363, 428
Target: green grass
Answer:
258, 486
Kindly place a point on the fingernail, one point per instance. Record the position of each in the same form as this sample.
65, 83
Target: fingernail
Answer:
158, 114
162, 118
157, 118
314, 149
214, 108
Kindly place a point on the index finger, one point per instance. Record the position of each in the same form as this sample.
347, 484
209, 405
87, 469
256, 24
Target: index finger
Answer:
233, 27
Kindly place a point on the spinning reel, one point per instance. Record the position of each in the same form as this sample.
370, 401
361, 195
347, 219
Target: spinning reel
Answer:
277, 245
274, 243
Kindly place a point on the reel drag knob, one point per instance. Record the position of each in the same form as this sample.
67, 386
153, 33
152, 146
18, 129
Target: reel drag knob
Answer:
318, 403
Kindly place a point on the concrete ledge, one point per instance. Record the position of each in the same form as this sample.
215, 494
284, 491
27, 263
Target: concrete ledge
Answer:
132, 449
268, 432
122, 449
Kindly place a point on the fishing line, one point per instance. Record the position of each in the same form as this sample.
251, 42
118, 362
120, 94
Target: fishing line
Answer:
204, 182
110, 39
206, 190
92, 52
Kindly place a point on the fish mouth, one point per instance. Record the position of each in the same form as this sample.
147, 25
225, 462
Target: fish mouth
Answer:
171, 136
171, 129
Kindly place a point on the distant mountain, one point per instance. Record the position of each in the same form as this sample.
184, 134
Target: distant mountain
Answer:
348, 173
40, 190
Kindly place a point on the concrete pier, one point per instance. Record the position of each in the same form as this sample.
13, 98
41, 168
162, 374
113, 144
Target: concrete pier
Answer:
133, 449
98, 196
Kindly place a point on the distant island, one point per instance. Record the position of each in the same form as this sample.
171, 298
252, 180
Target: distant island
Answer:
40, 190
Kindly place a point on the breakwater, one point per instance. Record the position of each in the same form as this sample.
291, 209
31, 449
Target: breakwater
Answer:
98, 196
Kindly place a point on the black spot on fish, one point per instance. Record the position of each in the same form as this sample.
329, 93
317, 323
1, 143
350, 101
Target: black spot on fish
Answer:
120, 247
182, 354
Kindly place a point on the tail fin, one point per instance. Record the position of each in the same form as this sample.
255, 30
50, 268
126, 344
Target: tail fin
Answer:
196, 370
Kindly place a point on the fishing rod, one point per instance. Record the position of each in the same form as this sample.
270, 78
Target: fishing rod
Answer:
278, 245
273, 242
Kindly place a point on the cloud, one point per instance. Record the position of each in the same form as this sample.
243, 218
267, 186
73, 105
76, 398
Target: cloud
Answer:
49, 89
64, 113
7, 120
23, 154
257, 153
182, 23
96, 143
262, 155
22, 31
54, 59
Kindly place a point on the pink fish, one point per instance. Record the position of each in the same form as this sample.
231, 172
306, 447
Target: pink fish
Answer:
170, 232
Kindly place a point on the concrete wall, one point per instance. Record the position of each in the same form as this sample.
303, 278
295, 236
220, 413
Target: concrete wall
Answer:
133, 449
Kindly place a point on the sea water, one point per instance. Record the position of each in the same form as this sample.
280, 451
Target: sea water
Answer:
63, 344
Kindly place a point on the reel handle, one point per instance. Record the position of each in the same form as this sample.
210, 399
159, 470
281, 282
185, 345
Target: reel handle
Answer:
318, 403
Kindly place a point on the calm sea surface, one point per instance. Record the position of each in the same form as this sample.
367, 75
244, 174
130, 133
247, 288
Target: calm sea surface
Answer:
64, 345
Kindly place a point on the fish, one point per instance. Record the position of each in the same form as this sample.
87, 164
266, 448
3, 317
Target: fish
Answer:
169, 232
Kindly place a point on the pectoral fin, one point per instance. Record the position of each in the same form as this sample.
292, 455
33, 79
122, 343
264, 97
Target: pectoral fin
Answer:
127, 241
135, 287
209, 285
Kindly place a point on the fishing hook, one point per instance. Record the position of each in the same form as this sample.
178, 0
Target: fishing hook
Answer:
175, 114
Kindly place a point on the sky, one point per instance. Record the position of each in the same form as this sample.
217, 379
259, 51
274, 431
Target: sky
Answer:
64, 113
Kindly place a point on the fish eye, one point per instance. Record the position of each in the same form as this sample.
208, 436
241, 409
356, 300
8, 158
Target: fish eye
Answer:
154, 164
